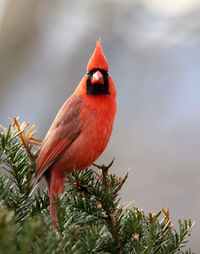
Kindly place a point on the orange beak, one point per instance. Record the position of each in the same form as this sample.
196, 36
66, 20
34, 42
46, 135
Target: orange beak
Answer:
97, 77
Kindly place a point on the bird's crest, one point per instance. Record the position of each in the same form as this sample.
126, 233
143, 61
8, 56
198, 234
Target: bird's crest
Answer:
98, 60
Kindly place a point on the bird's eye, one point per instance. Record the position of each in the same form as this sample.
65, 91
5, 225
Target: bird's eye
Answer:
88, 73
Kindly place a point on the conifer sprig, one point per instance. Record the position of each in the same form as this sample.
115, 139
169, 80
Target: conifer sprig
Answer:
17, 166
91, 217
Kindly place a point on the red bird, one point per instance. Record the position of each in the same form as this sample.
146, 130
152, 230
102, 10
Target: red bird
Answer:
82, 128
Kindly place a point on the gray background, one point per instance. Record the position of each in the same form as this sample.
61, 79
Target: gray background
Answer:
154, 57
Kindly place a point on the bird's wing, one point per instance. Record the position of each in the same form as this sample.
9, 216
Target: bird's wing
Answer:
64, 130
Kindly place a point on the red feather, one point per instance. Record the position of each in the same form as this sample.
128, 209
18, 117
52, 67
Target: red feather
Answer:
98, 60
64, 130
80, 131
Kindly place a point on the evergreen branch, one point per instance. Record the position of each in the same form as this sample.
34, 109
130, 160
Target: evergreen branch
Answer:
91, 219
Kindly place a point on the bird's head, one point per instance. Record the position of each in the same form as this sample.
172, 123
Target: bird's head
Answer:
97, 75
97, 81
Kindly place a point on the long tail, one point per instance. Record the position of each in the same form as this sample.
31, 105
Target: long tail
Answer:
56, 184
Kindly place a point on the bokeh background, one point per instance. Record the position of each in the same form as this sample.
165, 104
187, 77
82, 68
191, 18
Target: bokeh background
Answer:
153, 49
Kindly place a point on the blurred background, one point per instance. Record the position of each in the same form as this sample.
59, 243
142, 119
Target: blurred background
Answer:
153, 49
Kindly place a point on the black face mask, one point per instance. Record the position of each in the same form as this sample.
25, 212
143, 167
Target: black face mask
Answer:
97, 88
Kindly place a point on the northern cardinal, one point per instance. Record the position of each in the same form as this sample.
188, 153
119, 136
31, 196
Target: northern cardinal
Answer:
81, 129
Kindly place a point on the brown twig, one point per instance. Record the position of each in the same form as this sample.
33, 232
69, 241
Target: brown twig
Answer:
121, 184
112, 216
104, 170
166, 213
